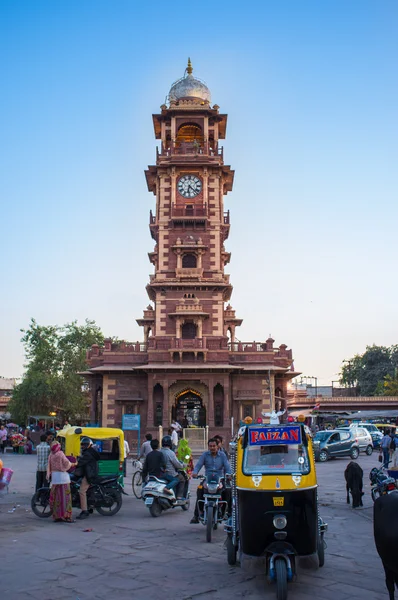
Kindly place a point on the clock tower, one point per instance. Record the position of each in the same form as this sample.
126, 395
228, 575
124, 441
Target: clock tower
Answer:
189, 226
190, 366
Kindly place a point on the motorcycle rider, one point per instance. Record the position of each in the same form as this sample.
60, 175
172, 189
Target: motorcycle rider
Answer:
173, 465
87, 467
214, 461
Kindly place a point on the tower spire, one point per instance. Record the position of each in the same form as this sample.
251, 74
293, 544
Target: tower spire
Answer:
189, 67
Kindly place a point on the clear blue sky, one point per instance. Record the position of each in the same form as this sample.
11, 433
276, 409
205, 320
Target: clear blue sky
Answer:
311, 91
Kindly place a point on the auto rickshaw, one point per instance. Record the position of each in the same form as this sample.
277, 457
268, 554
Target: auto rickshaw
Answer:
274, 500
109, 442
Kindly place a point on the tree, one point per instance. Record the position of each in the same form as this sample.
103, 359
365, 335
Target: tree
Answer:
55, 356
368, 371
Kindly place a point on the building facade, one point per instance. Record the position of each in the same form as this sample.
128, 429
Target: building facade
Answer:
190, 365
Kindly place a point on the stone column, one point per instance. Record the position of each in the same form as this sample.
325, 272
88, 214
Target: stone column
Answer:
211, 403
149, 414
227, 412
166, 416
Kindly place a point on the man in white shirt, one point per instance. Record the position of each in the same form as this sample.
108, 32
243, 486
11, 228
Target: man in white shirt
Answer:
174, 438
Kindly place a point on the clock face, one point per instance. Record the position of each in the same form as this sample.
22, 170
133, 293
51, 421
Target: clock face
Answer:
189, 186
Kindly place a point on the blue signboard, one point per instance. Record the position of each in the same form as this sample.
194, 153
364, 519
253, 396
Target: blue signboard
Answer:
131, 422
275, 436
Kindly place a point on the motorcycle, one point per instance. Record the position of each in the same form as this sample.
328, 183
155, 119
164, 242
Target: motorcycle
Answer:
157, 500
381, 483
104, 495
213, 509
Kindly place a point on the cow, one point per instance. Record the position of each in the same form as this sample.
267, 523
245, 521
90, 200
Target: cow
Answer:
385, 530
354, 478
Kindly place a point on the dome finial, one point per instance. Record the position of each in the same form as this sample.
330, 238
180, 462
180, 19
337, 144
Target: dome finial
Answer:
189, 67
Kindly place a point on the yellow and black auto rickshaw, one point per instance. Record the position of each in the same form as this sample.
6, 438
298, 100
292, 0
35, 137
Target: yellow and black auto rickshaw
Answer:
274, 500
108, 441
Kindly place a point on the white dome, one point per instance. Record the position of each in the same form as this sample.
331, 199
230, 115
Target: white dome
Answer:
189, 87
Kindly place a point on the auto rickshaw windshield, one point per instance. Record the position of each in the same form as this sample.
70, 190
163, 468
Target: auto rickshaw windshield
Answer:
292, 458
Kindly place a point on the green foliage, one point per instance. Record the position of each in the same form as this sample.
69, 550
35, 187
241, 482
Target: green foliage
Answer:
369, 370
390, 385
51, 382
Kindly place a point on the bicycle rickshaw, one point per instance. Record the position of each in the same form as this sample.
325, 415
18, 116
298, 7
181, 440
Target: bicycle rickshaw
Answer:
274, 500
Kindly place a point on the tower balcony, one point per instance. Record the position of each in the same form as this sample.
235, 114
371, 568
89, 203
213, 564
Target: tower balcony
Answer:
190, 210
195, 151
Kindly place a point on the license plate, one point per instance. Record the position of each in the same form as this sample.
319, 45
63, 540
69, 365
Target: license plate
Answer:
148, 501
279, 501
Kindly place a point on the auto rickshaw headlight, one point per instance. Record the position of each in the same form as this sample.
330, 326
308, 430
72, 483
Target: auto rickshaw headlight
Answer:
280, 522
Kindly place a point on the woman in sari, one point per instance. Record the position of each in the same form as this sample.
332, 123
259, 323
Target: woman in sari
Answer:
60, 496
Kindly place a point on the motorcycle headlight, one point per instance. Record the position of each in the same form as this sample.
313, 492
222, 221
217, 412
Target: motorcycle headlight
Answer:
280, 522
212, 487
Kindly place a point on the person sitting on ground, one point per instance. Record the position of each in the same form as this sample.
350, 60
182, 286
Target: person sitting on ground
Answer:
146, 446
173, 465
155, 462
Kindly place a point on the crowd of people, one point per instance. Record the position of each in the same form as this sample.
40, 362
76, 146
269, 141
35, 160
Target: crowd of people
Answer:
161, 461
54, 468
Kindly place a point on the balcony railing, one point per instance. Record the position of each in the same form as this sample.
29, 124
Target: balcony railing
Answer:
193, 210
259, 347
194, 149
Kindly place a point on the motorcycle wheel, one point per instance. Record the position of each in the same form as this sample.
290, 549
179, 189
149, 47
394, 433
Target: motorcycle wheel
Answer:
155, 509
114, 503
40, 503
209, 523
281, 579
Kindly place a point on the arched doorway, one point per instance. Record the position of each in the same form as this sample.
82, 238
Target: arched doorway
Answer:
189, 409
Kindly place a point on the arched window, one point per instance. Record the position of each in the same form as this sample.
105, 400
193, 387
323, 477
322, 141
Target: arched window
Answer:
189, 261
188, 331
189, 132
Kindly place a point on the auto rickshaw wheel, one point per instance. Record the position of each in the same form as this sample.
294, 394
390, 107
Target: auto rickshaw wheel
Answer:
231, 551
321, 550
209, 523
281, 579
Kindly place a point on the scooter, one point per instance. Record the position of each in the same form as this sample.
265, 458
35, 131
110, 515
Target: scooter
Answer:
157, 500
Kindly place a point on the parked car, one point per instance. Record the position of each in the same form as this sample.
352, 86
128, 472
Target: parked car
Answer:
362, 437
376, 434
334, 443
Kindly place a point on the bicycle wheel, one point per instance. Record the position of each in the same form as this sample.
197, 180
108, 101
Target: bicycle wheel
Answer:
137, 485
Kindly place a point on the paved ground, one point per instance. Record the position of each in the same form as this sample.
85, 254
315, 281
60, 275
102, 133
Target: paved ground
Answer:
134, 556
